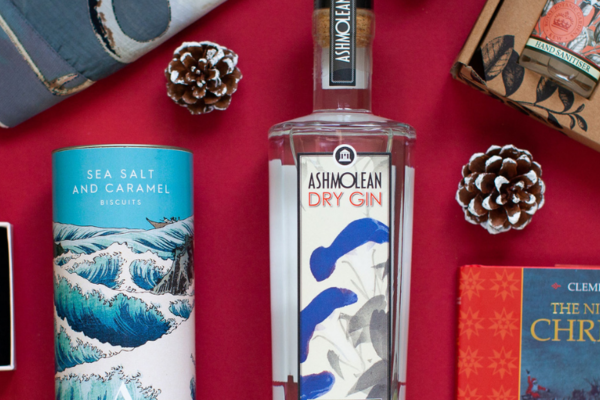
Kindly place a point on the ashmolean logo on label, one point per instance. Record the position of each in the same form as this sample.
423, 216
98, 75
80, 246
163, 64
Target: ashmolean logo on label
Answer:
342, 63
345, 155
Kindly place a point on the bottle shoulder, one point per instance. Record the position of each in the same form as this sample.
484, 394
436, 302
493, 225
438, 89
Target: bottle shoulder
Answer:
334, 121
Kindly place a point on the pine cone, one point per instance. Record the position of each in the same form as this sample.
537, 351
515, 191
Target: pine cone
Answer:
501, 189
202, 76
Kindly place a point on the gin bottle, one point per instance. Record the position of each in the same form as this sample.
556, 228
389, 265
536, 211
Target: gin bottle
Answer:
341, 201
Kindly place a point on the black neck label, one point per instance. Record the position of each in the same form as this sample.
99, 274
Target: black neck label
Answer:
342, 55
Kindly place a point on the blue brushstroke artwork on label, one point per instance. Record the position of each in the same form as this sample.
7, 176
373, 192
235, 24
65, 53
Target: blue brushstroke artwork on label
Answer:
357, 233
351, 324
318, 310
316, 385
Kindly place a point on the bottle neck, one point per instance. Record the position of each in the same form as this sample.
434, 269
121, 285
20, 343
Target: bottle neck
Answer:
328, 96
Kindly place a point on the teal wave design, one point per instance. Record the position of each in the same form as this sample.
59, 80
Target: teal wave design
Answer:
88, 240
120, 321
73, 232
181, 308
114, 385
145, 273
67, 355
104, 270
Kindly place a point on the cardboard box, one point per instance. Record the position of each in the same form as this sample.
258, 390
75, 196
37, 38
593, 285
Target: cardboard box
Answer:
488, 62
7, 325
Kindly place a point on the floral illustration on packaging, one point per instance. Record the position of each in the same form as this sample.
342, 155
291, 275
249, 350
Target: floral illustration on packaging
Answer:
120, 295
354, 346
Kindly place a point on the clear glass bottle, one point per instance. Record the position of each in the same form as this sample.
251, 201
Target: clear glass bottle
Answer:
340, 269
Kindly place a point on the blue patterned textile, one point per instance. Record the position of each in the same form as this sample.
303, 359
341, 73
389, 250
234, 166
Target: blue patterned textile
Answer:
52, 49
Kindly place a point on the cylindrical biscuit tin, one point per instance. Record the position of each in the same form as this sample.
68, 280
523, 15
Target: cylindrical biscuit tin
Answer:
123, 229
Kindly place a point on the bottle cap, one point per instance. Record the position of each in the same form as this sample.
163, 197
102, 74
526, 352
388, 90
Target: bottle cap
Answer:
368, 4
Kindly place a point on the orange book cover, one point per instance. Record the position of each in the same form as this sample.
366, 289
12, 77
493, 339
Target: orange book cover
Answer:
529, 333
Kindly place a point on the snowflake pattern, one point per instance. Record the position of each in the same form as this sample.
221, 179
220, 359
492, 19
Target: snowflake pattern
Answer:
470, 284
503, 323
503, 362
501, 394
505, 284
469, 323
488, 333
468, 394
468, 362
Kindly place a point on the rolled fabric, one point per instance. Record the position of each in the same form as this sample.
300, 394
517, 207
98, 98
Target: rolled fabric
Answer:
52, 49
123, 273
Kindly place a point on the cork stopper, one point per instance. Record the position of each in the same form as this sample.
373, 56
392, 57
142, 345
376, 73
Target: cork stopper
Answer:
366, 4
365, 26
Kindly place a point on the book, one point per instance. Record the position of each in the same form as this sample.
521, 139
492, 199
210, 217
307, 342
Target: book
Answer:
529, 333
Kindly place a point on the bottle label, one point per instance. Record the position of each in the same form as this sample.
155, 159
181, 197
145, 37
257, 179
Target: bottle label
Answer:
567, 31
342, 55
344, 212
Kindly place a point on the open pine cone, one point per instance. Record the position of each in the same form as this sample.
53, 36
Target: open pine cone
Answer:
501, 189
202, 76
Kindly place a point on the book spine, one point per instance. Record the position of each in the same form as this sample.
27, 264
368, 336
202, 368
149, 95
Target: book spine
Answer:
489, 332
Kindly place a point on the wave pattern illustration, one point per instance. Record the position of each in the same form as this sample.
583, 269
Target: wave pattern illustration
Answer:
122, 298
114, 385
89, 239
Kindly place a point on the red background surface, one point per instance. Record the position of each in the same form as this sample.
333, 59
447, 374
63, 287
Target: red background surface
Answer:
415, 47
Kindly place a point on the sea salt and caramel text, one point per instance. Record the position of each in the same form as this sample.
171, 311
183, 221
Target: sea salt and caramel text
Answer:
122, 182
